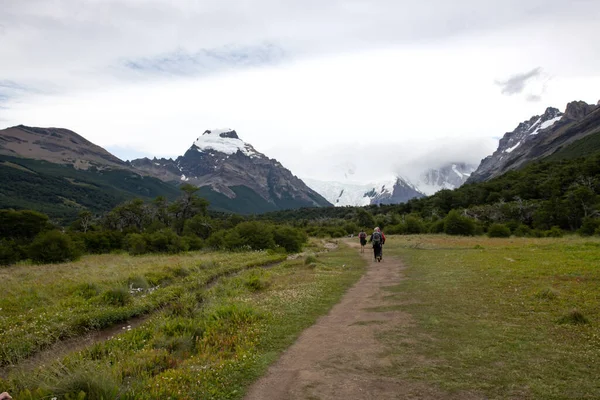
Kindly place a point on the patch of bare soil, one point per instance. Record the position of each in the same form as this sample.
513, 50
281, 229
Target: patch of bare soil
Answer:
339, 357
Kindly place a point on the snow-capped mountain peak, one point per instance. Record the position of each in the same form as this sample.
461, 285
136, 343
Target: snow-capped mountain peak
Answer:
226, 141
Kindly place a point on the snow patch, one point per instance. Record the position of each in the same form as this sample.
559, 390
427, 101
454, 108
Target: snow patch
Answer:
546, 124
512, 148
184, 178
211, 140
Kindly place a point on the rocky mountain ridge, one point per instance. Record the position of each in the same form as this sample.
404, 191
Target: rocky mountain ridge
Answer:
539, 137
56, 145
220, 162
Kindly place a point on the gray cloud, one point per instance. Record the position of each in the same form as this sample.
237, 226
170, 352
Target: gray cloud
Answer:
517, 83
68, 41
182, 62
534, 98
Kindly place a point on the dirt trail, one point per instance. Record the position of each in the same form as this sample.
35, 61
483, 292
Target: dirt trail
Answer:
339, 357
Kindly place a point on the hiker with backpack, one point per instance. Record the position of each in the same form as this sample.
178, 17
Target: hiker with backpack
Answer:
378, 240
362, 236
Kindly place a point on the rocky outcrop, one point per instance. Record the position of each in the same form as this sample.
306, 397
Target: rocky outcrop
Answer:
539, 137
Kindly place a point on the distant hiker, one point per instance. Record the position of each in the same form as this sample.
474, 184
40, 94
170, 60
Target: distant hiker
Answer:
363, 240
377, 239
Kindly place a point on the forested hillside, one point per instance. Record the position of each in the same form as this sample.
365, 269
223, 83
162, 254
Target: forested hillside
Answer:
62, 191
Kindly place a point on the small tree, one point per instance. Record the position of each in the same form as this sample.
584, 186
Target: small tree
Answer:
53, 247
498, 231
456, 224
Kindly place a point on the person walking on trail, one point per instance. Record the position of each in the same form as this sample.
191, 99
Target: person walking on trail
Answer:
377, 239
362, 236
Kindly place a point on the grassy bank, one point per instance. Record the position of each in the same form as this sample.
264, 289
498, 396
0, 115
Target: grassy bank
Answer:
207, 344
507, 318
41, 304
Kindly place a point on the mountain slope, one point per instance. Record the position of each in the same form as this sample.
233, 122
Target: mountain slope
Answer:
56, 145
222, 164
540, 137
62, 191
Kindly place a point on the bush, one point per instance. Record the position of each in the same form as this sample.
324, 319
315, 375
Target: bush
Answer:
100, 242
256, 235
498, 231
456, 224
555, 232
9, 252
135, 244
522, 231
414, 225
193, 243
164, 241
216, 241
53, 247
589, 226
437, 227
291, 239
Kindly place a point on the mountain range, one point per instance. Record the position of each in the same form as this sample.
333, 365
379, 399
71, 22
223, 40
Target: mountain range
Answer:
398, 189
59, 172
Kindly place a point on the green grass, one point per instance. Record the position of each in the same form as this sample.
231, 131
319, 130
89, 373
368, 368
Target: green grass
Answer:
506, 318
41, 304
208, 343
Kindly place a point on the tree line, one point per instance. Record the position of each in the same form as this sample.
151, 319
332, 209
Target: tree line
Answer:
140, 227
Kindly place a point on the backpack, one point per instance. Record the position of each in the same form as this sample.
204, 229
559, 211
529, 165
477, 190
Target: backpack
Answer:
376, 238
362, 235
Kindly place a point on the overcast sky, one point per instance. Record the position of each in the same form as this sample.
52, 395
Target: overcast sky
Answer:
323, 86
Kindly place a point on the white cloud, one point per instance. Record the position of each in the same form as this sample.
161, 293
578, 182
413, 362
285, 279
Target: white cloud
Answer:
320, 83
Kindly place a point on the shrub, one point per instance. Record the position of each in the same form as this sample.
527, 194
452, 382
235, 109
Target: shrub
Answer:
53, 247
216, 240
193, 243
437, 227
255, 282
414, 225
498, 231
291, 239
310, 259
398, 229
99, 242
456, 224
135, 244
9, 252
164, 241
589, 226
555, 232
256, 235
522, 231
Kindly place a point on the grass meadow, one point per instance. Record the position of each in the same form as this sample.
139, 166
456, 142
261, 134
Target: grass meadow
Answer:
504, 318
200, 341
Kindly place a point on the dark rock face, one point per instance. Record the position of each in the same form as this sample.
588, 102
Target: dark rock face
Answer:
221, 161
403, 192
577, 110
539, 137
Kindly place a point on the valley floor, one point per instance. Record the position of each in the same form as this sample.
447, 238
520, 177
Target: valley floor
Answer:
440, 318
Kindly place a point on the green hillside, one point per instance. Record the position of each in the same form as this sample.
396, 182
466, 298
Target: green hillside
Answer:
62, 191
583, 147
